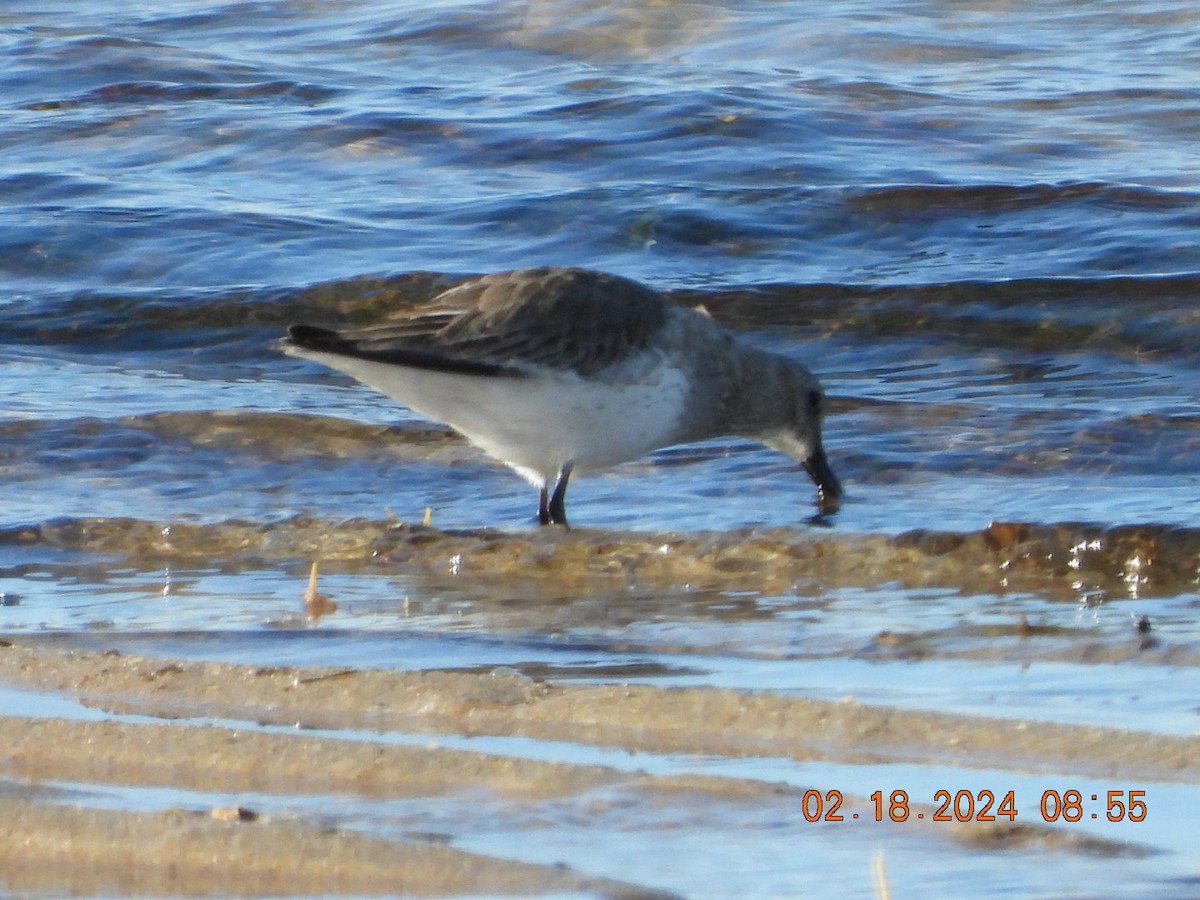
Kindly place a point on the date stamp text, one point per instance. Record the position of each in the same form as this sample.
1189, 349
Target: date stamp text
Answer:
1068, 805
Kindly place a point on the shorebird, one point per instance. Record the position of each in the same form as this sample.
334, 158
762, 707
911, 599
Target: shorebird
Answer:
561, 370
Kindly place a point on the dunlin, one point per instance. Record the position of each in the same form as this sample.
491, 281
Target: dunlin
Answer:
559, 370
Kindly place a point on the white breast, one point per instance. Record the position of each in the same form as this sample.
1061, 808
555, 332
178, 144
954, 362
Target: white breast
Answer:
541, 422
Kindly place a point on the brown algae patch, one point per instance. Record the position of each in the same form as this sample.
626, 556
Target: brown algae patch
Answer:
1065, 560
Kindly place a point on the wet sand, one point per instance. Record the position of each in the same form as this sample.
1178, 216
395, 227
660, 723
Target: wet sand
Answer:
193, 742
703, 721
79, 851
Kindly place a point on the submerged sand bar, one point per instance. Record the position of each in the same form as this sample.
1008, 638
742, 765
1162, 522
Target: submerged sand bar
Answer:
56, 844
702, 721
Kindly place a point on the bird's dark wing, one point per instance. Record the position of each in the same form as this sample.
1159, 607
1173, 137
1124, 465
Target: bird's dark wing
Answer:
362, 344
567, 319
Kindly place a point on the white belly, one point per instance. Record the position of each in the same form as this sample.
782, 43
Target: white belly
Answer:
540, 423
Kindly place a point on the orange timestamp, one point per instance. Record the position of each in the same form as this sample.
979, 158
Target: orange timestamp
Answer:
1068, 805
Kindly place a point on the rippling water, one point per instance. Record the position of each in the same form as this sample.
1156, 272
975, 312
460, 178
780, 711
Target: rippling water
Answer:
979, 223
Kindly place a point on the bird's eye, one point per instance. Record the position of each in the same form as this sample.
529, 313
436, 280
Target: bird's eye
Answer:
814, 402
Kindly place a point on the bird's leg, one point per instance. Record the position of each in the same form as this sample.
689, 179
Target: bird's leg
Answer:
552, 506
558, 500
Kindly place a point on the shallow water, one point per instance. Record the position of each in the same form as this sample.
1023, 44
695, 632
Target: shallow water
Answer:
978, 223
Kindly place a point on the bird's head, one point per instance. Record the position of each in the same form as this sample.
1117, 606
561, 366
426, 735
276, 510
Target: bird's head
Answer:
798, 432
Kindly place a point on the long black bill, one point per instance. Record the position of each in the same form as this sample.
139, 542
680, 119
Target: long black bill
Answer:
829, 489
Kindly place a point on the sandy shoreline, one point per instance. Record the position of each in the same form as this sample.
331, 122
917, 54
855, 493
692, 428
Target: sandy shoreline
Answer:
80, 851
65, 844
706, 721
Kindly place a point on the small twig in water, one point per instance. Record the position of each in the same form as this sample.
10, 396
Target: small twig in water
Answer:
879, 877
